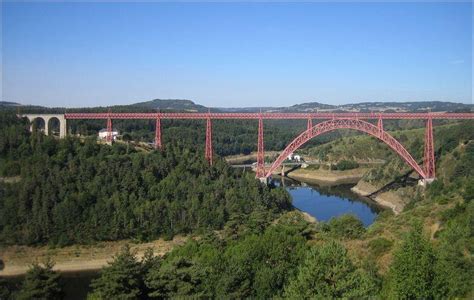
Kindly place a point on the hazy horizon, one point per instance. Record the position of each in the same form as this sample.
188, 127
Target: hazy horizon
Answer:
235, 54
231, 107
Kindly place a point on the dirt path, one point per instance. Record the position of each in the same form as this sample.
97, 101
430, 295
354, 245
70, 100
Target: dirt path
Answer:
16, 259
240, 158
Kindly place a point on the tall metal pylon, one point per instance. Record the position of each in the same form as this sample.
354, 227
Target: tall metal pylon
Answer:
429, 159
158, 143
109, 128
209, 139
261, 150
309, 125
380, 126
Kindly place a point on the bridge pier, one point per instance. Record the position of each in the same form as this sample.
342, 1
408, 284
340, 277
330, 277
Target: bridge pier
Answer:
109, 131
208, 153
261, 150
46, 119
426, 181
429, 159
158, 134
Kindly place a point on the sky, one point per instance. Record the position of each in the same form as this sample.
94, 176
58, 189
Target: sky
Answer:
235, 54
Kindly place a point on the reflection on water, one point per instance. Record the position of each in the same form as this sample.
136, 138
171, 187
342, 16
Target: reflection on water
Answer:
323, 203
327, 202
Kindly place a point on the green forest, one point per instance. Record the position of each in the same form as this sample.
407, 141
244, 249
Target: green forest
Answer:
78, 192
250, 242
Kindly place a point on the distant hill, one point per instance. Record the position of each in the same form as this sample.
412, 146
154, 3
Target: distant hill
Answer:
434, 106
169, 104
8, 104
190, 106
147, 106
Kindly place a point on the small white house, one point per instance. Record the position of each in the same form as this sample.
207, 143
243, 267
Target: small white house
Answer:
294, 157
103, 134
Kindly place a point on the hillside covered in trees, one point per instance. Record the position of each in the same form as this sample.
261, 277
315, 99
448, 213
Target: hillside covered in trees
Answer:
76, 192
70, 191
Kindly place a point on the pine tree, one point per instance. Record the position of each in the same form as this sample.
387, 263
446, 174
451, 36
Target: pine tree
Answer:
412, 271
41, 283
329, 273
122, 279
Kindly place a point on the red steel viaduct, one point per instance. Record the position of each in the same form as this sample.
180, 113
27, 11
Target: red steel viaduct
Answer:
370, 123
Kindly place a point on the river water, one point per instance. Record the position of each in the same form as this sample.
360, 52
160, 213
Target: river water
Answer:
326, 202
321, 202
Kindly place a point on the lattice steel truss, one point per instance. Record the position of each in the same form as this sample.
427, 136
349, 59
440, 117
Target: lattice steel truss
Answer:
335, 121
376, 131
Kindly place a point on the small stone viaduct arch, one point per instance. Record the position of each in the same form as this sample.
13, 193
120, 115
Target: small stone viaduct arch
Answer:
46, 118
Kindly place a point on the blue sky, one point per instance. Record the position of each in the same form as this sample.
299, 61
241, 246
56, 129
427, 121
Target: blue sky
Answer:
235, 54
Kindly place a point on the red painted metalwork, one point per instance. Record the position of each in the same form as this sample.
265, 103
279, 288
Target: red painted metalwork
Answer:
209, 141
265, 116
380, 126
109, 129
261, 151
346, 124
158, 144
336, 121
429, 159
310, 123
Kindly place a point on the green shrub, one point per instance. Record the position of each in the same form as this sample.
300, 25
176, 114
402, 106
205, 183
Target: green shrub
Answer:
10, 168
346, 165
380, 246
346, 226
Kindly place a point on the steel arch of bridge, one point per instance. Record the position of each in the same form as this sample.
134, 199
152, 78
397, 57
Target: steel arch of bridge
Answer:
327, 126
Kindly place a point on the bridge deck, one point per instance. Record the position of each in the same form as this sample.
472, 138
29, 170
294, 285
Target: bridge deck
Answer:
274, 116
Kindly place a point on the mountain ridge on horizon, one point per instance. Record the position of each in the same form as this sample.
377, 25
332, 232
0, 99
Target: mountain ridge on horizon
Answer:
191, 106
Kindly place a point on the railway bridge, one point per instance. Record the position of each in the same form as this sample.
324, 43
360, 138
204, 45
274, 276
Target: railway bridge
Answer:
369, 123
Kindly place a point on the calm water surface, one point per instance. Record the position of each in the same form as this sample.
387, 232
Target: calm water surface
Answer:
324, 203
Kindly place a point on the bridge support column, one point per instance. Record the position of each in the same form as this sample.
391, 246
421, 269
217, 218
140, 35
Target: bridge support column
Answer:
261, 150
109, 131
310, 123
380, 126
46, 126
62, 127
429, 159
209, 140
158, 134
46, 119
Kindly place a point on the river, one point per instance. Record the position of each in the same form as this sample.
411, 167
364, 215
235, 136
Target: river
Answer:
326, 202
321, 202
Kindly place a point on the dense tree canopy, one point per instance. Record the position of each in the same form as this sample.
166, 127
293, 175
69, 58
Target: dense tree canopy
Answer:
74, 191
328, 272
257, 265
246, 245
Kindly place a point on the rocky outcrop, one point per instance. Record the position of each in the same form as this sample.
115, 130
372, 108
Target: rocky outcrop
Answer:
387, 199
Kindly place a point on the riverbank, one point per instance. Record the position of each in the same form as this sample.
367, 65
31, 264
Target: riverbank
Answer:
328, 177
17, 259
323, 177
249, 158
387, 199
